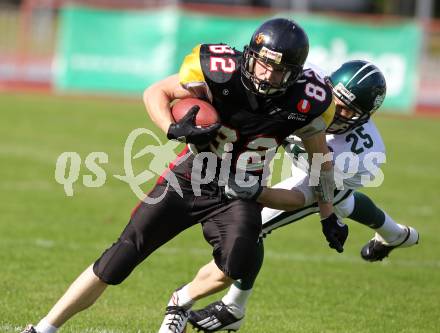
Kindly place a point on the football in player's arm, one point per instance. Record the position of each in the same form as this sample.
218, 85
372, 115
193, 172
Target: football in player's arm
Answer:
262, 96
359, 88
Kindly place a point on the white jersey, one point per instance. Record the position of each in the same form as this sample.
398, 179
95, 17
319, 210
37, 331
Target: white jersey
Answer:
367, 145
361, 150
357, 155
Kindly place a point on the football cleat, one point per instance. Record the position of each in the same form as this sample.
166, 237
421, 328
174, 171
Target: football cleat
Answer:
29, 329
377, 249
215, 317
175, 320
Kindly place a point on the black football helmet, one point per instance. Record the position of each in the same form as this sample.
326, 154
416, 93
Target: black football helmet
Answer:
283, 44
361, 87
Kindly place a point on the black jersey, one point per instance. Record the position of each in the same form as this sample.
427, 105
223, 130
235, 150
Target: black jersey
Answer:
252, 124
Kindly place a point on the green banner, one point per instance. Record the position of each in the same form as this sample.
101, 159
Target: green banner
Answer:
394, 48
122, 51
200, 28
126, 51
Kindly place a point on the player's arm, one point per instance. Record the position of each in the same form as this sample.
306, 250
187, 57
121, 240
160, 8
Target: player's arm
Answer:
157, 99
317, 149
320, 159
282, 199
290, 199
187, 83
315, 144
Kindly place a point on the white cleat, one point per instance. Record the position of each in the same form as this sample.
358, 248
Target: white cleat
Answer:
175, 320
377, 249
29, 329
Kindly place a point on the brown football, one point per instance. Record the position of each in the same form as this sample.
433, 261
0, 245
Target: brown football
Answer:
206, 116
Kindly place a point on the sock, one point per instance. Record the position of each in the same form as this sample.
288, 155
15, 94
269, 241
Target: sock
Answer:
236, 300
392, 232
44, 327
366, 212
181, 297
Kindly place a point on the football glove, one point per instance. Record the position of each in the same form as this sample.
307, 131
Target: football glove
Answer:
186, 130
242, 189
335, 232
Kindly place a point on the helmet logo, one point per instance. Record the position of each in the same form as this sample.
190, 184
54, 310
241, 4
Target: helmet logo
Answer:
259, 38
378, 101
269, 54
303, 106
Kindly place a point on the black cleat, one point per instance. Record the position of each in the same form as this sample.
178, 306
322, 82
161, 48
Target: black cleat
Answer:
29, 329
377, 250
215, 317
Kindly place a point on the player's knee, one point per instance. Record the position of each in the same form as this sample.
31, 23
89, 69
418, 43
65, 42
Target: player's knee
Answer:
209, 271
220, 276
117, 262
239, 260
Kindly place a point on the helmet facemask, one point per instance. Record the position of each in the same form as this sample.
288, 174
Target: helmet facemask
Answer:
343, 123
289, 73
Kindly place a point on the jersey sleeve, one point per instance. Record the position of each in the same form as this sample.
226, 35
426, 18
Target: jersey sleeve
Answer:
191, 75
328, 114
318, 124
316, 101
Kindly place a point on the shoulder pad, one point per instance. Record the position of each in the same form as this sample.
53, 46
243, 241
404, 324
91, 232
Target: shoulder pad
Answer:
219, 62
190, 71
314, 96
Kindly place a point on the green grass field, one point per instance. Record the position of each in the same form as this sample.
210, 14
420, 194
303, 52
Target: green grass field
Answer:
47, 238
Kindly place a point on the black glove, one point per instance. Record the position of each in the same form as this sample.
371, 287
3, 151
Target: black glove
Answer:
241, 191
186, 130
335, 232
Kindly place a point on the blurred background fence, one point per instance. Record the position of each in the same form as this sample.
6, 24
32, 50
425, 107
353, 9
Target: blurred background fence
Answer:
120, 47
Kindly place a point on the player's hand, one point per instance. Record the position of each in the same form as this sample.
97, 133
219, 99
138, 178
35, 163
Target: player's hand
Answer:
335, 232
186, 130
247, 189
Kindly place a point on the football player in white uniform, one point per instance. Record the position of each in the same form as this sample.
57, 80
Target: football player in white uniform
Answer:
358, 150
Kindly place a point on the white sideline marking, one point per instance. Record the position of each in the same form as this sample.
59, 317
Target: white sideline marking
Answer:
6, 328
271, 255
44, 243
303, 257
11, 328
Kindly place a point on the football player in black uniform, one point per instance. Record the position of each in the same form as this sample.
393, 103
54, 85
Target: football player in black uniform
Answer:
262, 95
260, 119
